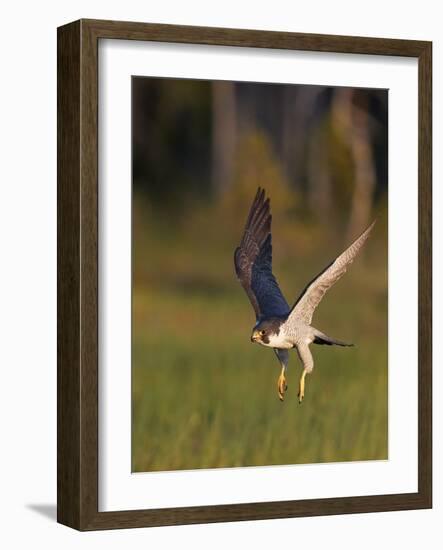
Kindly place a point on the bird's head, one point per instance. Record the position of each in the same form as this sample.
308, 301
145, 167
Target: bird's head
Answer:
266, 332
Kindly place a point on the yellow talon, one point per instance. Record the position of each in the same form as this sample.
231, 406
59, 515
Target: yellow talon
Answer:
301, 391
282, 387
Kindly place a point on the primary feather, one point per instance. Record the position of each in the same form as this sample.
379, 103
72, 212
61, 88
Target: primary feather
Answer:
253, 262
312, 295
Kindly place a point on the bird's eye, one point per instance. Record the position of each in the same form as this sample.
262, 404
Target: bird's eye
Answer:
263, 332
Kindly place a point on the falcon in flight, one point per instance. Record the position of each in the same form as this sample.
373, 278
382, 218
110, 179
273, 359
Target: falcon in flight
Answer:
279, 326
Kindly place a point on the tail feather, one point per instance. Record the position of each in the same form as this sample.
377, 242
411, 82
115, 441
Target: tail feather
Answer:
324, 340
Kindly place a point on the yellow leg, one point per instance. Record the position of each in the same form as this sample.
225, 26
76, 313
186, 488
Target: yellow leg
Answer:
281, 384
301, 391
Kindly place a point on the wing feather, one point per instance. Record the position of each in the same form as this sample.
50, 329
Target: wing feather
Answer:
312, 295
253, 261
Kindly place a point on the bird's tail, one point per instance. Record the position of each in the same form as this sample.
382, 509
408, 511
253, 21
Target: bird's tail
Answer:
324, 340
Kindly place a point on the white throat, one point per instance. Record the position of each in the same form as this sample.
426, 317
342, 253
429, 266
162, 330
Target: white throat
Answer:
278, 341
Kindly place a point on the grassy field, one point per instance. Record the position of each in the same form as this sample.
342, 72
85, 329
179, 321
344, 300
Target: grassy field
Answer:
205, 397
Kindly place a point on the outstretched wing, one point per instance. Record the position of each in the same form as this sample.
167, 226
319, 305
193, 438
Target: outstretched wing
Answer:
253, 262
311, 296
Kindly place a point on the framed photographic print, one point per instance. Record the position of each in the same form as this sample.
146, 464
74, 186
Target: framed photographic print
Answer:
244, 275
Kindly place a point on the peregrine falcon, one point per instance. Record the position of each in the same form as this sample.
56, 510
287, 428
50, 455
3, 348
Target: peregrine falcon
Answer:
278, 325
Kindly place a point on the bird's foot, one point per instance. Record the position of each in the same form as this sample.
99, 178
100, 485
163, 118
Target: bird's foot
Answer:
282, 386
301, 390
301, 395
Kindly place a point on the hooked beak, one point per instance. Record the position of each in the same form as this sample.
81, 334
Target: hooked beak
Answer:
255, 336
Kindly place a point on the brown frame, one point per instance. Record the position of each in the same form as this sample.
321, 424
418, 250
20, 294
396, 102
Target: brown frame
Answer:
77, 408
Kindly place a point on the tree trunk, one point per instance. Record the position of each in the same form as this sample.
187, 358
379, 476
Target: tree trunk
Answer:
224, 134
299, 110
353, 122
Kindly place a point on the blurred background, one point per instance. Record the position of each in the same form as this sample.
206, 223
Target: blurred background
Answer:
203, 395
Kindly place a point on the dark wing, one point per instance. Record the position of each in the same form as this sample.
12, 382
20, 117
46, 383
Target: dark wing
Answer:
310, 298
253, 262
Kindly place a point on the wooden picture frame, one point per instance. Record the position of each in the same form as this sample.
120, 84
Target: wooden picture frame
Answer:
77, 455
